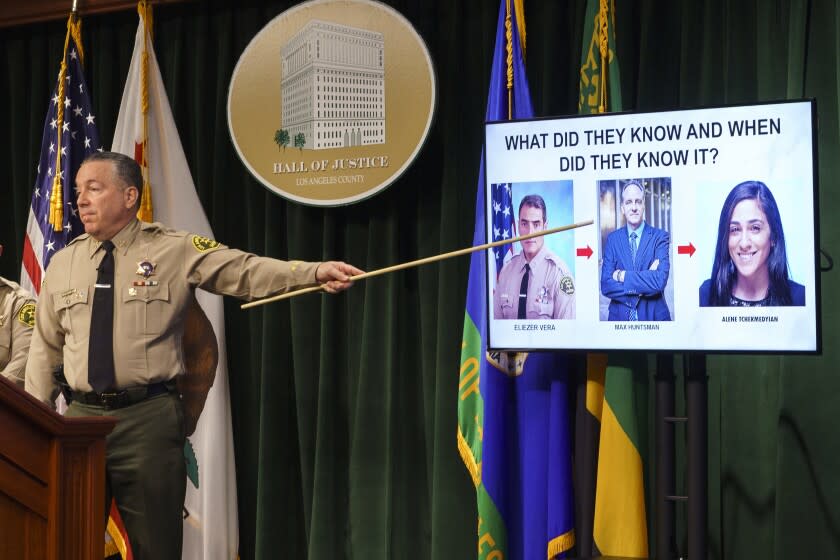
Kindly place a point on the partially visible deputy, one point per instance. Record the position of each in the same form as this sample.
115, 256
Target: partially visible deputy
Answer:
17, 318
112, 309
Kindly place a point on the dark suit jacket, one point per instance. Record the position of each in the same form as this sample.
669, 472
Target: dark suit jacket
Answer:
642, 288
797, 293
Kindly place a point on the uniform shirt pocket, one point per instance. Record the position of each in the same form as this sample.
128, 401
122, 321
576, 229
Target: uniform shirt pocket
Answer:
506, 306
146, 308
546, 310
73, 309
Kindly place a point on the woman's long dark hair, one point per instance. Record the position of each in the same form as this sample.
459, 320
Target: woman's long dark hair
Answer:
724, 272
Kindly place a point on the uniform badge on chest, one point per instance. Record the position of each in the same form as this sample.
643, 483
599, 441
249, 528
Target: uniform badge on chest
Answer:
146, 268
542, 296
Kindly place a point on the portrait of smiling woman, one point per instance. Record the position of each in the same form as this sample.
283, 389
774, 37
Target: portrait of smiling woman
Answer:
750, 267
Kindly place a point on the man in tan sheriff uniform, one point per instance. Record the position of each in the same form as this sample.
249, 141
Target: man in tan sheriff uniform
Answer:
155, 271
17, 317
548, 292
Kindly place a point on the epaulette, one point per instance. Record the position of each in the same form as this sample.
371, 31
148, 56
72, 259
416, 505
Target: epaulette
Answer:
552, 258
81, 237
157, 227
15, 287
152, 226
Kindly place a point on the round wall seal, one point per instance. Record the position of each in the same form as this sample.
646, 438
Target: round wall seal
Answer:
331, 101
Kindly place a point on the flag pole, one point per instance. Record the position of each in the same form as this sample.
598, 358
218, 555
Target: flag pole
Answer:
419, 262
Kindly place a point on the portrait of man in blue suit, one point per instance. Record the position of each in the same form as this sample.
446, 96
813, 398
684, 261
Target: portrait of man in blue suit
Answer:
636, 263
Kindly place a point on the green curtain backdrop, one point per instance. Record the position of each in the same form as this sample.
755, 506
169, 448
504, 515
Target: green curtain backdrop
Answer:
344, 407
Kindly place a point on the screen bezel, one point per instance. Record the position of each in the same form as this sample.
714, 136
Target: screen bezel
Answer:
817, 316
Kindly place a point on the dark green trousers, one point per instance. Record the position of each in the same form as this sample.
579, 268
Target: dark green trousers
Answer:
146, 473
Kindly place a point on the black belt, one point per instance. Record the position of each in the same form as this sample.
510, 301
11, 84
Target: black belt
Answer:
110, 400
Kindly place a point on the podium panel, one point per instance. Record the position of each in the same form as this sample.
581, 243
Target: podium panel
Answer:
52, 480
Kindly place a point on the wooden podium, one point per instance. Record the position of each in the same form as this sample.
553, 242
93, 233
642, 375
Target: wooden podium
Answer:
52, 480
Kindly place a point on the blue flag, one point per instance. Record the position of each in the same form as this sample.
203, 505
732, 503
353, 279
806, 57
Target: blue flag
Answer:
513, 413
70, 134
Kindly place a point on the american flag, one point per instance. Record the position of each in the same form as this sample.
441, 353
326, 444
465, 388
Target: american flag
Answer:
504, 224
76, 126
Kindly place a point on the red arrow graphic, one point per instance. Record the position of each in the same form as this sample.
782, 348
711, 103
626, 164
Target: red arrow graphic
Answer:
584, 252
686, 249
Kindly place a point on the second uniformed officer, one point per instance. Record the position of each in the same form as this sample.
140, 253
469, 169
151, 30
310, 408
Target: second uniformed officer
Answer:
17, 317
112, 310
535, 283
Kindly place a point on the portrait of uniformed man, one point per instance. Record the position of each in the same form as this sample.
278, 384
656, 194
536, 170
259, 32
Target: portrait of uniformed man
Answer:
535, 283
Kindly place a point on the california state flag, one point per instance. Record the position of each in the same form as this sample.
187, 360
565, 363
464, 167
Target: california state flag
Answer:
210, 524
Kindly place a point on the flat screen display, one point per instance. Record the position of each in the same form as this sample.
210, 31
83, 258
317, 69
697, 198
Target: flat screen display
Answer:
704, 233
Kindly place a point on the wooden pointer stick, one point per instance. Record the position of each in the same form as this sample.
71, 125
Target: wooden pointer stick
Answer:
419, 262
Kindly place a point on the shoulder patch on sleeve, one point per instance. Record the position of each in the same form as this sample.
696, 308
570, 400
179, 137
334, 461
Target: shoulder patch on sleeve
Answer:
26, 315
204, 244
567, 285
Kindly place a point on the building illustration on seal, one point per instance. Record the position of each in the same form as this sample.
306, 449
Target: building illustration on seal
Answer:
332, 87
